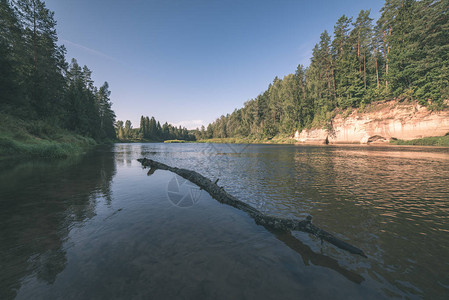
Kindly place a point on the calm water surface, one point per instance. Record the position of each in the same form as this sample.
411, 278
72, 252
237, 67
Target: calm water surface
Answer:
99, 227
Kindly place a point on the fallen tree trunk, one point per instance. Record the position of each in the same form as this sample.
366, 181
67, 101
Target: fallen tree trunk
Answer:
222, 196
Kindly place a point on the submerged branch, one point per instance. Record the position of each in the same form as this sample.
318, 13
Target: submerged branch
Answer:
222, 196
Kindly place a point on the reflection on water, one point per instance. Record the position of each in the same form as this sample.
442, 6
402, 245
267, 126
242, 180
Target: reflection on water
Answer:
40, 202
310, 257
99, 227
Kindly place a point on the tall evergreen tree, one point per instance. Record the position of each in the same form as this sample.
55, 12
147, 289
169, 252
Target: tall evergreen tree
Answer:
44, 61
106, 114
10, 49
37, 83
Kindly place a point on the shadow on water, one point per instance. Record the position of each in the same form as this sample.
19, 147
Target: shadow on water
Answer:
309, 256
40, 201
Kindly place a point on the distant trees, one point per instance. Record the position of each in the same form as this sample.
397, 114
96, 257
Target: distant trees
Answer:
150, 129
36, 82
405, 55
87, 110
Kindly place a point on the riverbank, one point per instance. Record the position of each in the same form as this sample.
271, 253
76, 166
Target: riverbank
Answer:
19, 138
275, 140
175, 141
441, 141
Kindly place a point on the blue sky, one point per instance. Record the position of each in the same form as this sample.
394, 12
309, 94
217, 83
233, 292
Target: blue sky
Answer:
188, 62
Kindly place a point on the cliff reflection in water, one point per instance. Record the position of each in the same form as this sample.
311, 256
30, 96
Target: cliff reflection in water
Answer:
401, 196
40, 202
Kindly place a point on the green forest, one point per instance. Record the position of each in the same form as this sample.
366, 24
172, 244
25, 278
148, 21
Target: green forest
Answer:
404, 55
45, 100
47, 103
45, 97
151, 130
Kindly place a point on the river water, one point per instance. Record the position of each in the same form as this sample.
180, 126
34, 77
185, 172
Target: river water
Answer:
100, 227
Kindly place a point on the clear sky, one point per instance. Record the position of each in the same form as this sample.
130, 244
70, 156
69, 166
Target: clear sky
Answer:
187, 62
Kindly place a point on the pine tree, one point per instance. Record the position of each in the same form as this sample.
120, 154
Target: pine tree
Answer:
210, 131
147, 128
428, 51
203, 132
44, 62
119, 129
10, 47
158, 130
127, 130
106, 114
304, 106
361, 36
340, 49
152, 129
165, 131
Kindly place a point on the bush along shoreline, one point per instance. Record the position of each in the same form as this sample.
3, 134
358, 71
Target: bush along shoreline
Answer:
441, 141
34, 139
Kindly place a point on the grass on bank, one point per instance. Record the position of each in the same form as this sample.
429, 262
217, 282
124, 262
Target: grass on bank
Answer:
427, 141
175, 141
442, 141
275, 140
38, 139
136, 140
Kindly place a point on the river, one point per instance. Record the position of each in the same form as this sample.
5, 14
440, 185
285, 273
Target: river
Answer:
99, 227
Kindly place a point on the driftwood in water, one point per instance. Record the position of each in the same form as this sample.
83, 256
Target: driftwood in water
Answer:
269, 221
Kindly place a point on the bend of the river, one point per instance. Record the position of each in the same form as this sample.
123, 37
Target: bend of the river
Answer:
99, 227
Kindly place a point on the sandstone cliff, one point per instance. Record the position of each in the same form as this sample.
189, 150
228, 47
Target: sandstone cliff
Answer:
380, 122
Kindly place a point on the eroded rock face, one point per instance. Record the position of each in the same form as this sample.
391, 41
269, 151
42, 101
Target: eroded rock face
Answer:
381, 123
313, 136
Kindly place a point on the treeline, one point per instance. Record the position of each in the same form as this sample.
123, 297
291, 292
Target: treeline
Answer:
151, 130
405, 55
37, 83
